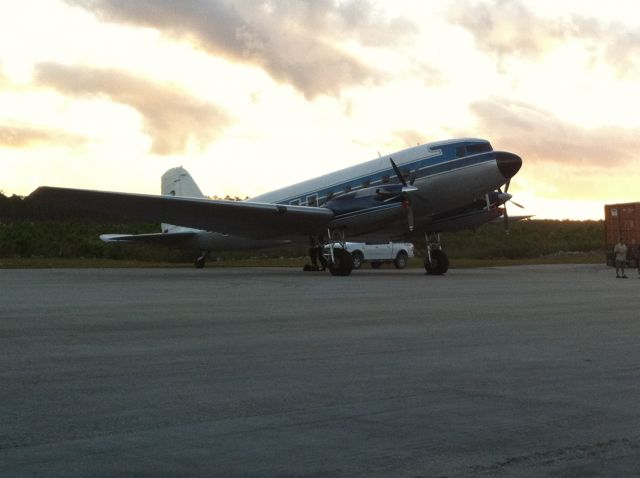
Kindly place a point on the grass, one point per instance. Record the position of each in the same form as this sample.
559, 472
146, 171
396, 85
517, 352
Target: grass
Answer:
472, 263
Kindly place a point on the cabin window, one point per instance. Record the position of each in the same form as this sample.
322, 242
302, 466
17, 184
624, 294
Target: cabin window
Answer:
295, 202
385, 179
366, 183
479, 148
329, 195
460, 152
312, 200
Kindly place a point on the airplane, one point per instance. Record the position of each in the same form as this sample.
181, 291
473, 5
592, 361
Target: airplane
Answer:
431, 188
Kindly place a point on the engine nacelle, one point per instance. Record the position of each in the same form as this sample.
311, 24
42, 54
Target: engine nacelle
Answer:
365, 198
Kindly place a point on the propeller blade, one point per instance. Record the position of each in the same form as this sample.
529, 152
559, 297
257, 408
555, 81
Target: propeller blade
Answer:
506, 186
505, 218
398, 172
406, 188
516, 204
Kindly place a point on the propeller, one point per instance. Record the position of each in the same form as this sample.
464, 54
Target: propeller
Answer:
504, 197
406, 189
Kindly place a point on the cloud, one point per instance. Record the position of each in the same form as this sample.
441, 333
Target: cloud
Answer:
171, 117
22, 136
409, 137
294, 41
541, 137
507, 28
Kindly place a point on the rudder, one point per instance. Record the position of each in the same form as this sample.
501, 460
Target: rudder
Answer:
178, 182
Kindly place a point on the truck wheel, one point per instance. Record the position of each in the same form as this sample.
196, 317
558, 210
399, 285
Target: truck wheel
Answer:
401, 260
357, 258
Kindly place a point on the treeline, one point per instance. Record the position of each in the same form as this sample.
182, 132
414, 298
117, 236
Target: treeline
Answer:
527, 239
27, 230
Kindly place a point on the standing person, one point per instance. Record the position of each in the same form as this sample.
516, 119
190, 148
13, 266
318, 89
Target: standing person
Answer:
620, 251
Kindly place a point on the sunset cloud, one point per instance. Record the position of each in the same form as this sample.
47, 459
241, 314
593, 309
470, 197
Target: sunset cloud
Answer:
509, 28
23, 136
294, 41
171, 117
541, 137
409, 137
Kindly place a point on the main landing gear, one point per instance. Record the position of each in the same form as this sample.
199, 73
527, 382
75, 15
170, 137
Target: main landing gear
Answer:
337, 259
340, 263
436, 261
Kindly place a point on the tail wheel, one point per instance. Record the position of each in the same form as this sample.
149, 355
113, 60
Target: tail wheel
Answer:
357, 259
401, 260
200, 261
438, 265
342, 264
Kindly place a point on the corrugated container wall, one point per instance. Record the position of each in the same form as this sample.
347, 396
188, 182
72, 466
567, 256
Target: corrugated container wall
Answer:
622, 221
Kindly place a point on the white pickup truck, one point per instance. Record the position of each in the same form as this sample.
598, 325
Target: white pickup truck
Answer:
377, 254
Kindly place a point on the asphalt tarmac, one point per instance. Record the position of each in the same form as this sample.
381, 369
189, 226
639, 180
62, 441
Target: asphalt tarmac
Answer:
521, 371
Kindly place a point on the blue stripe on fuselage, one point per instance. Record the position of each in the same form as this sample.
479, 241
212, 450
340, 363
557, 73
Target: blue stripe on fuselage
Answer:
422, 167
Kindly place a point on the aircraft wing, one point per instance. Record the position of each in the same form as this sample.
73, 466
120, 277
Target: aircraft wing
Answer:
242, 218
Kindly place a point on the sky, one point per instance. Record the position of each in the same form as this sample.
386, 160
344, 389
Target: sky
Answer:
250, 95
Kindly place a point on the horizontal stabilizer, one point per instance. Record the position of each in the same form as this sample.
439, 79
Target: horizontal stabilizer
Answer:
161, 238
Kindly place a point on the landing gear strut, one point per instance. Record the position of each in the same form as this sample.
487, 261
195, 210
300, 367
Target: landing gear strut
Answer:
436, 261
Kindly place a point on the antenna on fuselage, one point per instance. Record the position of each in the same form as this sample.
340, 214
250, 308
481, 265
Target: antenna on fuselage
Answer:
379, 155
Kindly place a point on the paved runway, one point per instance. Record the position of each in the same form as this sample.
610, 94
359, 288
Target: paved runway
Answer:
522, 371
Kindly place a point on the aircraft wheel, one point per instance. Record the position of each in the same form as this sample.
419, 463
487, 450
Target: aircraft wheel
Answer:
401, 260
357, 259
376, 265
201, 261
439, 264
343, 263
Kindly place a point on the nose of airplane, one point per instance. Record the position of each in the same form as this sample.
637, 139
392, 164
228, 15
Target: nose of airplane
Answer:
508, 164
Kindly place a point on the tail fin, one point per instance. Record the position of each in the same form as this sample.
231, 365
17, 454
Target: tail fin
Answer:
178, 182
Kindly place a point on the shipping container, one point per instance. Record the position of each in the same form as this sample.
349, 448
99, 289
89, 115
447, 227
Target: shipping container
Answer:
622, 221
